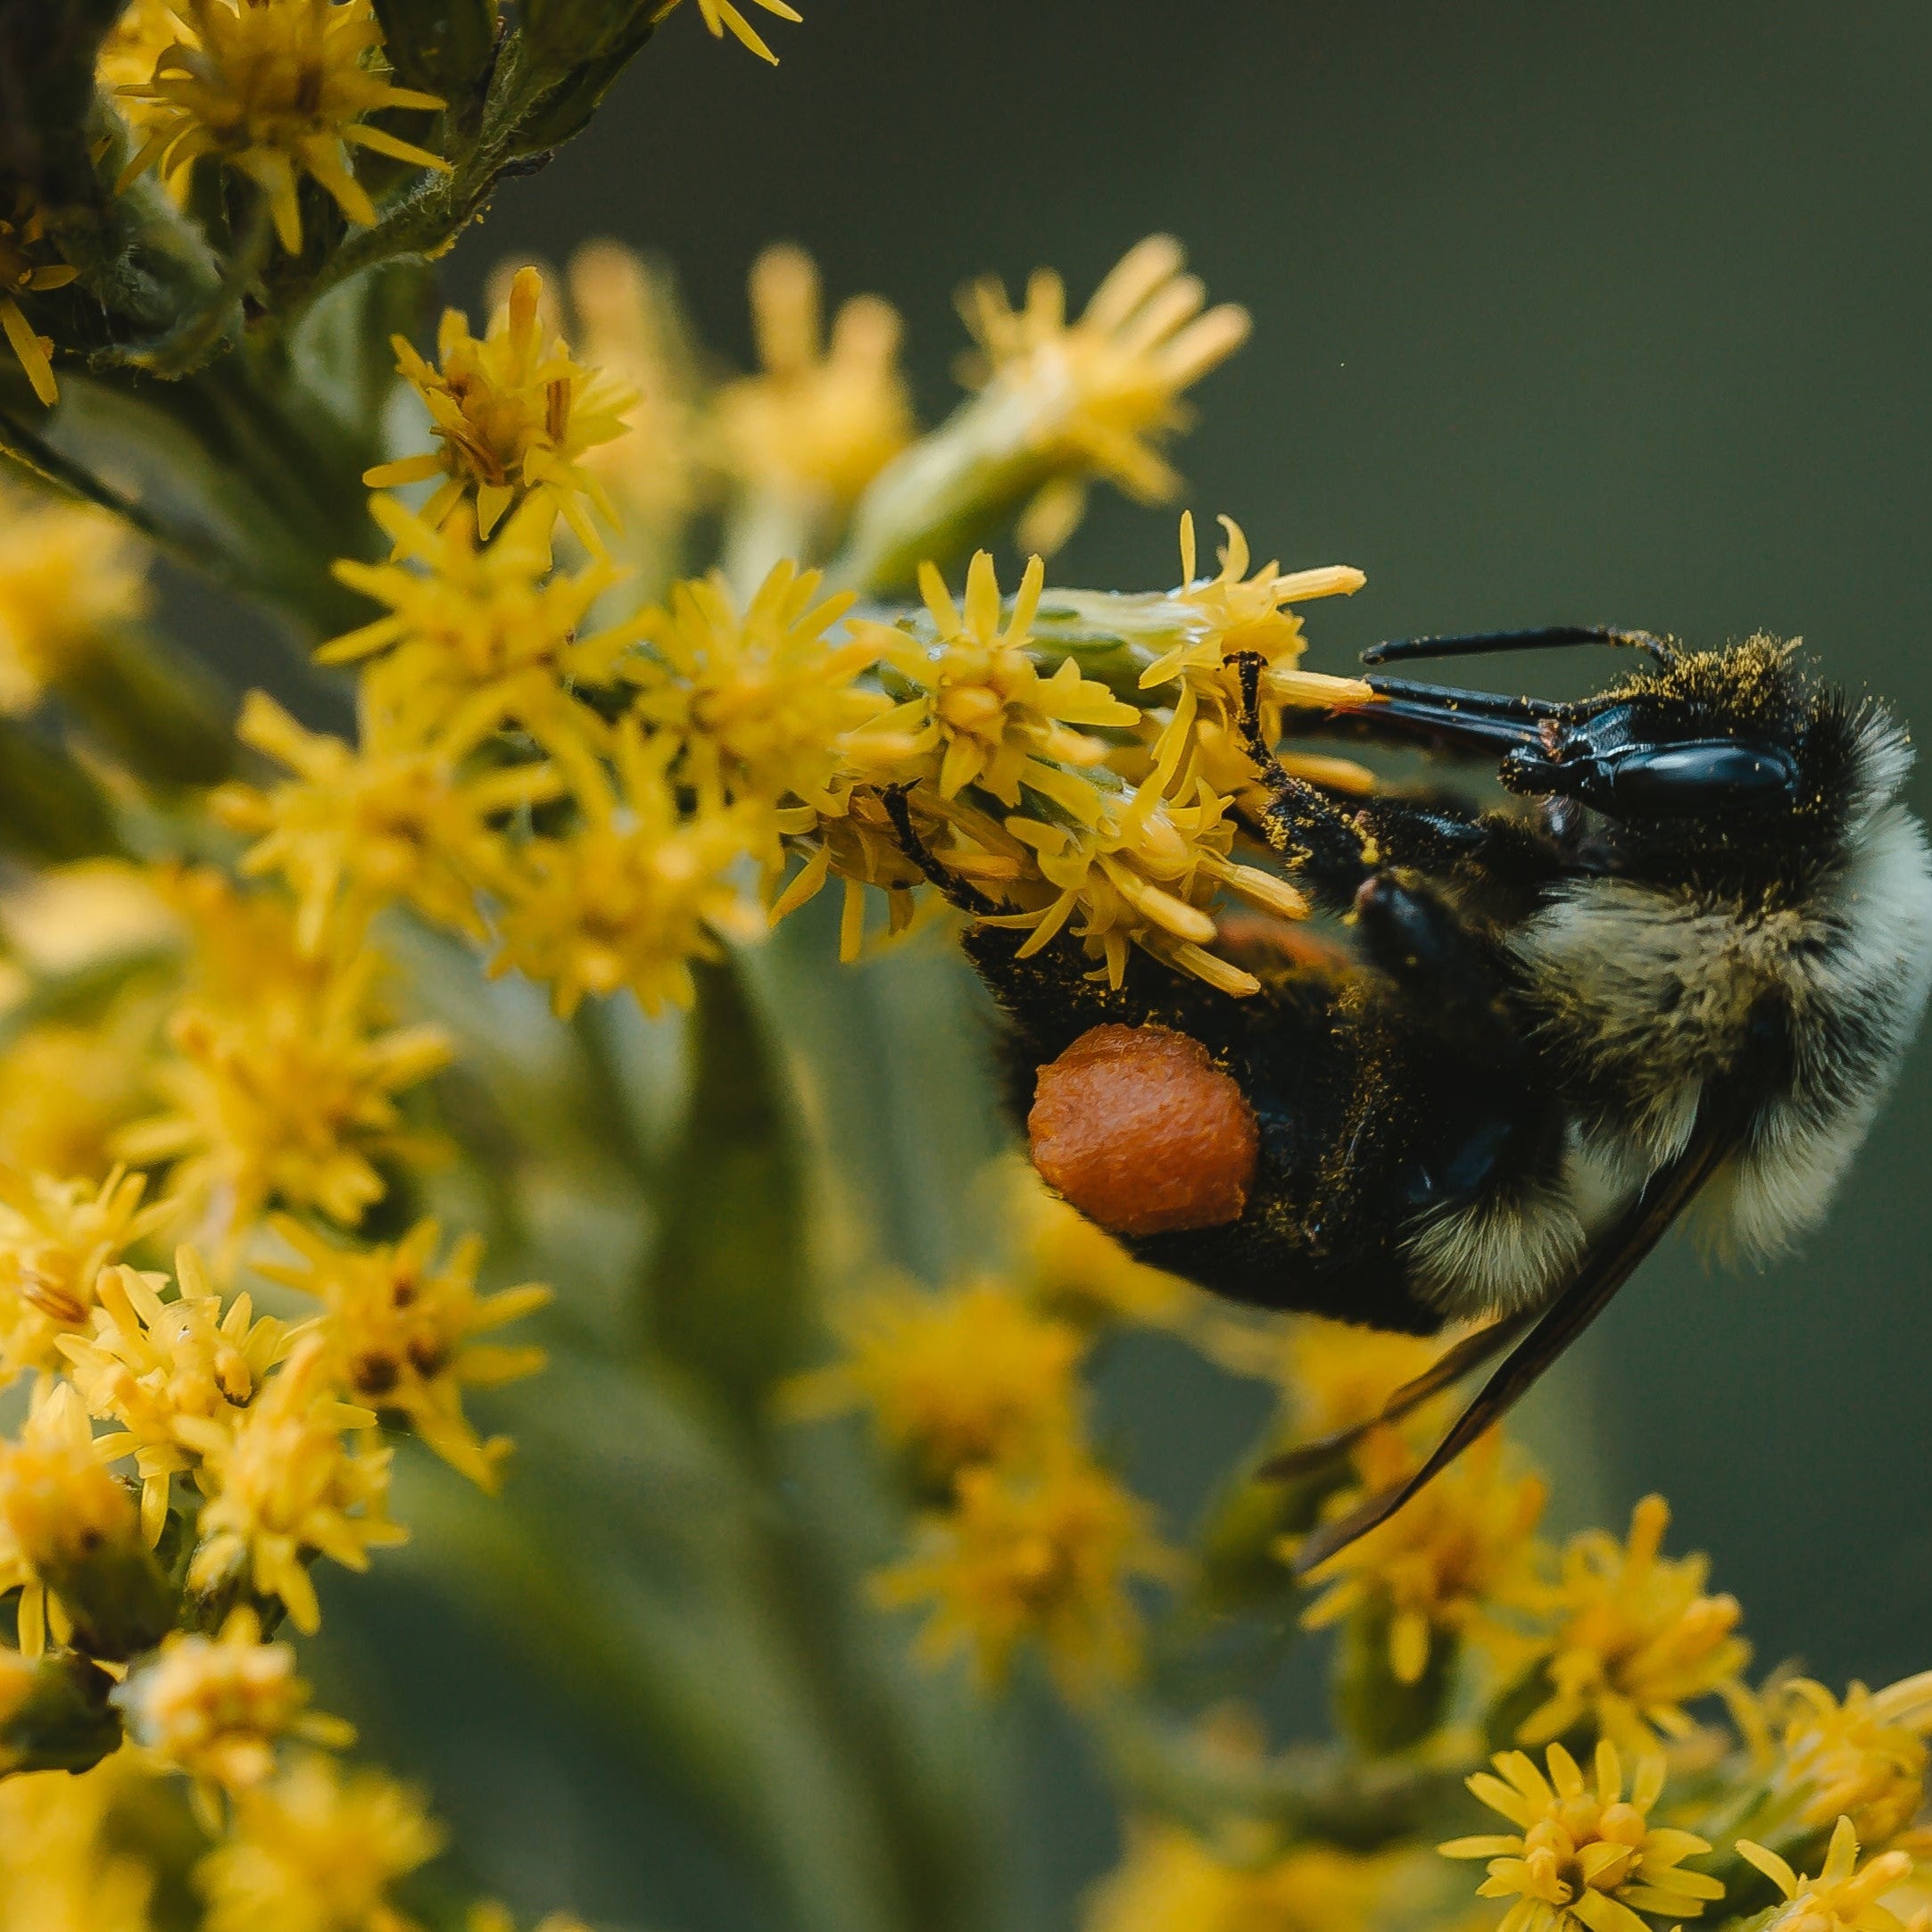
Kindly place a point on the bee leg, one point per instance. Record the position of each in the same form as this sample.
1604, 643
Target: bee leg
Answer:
905, 835
1325, 846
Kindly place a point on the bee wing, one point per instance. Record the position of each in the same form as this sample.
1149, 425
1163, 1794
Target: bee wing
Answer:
1605, 1267
1450, 1367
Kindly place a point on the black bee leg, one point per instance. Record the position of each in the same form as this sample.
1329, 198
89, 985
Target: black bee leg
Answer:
968, 898
1323, 845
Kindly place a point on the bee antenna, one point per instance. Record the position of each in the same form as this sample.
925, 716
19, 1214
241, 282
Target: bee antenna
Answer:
1549, 637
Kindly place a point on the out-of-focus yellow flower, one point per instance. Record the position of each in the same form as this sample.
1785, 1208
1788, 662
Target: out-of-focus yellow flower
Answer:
1336, 1375
1139, 869
722, 17
146, 1363
59, 1507
1635, 1636
25, 269
1844, 1897
482, 622
401, 814
1864, 1758
317, 1852
276, 89
134, 44
1042, 1554
57, 1239
1170, 1881
820, 422
66, 1091
216, 1707
283, 1487
1442, 1568
629, 326
983, 715
1102, 395
1079, 1272
1583, 1857
71, 917
758, 703
69, 574
64, 1864
952, 1379
283, 1079
491, 1916
402, 1330
516, 415
636, 890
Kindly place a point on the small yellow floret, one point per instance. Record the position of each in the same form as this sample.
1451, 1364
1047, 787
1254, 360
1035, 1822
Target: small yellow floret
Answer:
636, 892
276, 89
1099, 396
820, 422
1863, 1758
951, 1379
1583, 1857
26, 271
1844, 1897
317, 1852
722, 17
1170, 1881
69, 576
216, 1707
146, 1363
401, 814
283, 1488
757, 702
515, 414
1636, 1637
66, 1862
1037, 1554
402, 1329
1441, 1568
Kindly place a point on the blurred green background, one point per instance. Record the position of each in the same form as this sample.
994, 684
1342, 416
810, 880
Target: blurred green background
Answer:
1575, 313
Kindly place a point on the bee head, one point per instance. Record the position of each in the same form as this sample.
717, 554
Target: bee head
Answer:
1724, 747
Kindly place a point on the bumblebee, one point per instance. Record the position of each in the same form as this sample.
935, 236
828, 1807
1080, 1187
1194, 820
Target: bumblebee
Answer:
1681, 965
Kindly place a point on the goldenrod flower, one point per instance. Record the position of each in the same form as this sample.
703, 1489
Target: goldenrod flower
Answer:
1078, 1273
1636, 1638
1234, 615
634, 892
57, 1239
66, 1864
283, 1488
1864, 1758
1583, 1857
134, 44
398, 816
984, 715
401, 1331
66, 1091
820, 422
515, 414
283, 1079
952, 1379
1844, 1895
276, 89
1336, 1375
146, 1363
1042, 1554
59, 1507
68, 575
1099, 396
1170, 1881
216, 1707
317, 1852
481, 621
25, 271
1139, 869
1442, 1570
629, 325
720, 15
759, 702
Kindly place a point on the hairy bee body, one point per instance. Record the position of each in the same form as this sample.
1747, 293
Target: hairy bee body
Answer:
1700, 954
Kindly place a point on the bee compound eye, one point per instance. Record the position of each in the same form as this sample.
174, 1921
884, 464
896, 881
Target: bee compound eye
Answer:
1716, 775
1139, 1129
